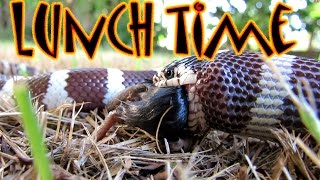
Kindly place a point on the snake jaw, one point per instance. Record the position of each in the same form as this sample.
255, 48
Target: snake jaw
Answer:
178, 81
188, 78
182, 76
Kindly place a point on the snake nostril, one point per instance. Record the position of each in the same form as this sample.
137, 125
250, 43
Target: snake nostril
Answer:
154, 79
161, 75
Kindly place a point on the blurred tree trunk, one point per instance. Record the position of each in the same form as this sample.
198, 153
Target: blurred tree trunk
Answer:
4, 13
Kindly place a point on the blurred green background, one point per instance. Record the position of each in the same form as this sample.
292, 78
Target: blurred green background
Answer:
304, 21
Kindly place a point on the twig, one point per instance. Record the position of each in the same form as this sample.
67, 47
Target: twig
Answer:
158, 128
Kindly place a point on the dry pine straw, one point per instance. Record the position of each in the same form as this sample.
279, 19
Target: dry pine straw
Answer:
131, 153
127, 152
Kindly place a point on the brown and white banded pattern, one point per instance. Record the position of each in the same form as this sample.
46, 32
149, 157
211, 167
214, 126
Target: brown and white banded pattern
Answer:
93, 86
239, 93
233, 93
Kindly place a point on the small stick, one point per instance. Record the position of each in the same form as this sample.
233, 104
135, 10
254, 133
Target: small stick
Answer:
127, 94
111, 119
130, 93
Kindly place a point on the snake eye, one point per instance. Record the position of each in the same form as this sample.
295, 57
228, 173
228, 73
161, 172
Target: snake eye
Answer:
169, 73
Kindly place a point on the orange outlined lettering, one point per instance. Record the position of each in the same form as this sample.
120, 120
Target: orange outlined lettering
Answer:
238, 40
17, 11
112, 35
181, 42
88, 43
227, 26
136, 26
40, 29
197, 29
275, 29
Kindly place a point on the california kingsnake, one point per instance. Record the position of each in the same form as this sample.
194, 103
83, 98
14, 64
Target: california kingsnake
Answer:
234, 93
240, 93
94, 85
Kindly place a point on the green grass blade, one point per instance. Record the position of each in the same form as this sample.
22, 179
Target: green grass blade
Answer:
33, 132
307, 114
310, 120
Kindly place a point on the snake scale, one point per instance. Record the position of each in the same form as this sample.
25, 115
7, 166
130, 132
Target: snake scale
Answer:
234, 93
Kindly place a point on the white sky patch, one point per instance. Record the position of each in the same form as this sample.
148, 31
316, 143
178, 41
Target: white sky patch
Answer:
297, 4
302, 37
295, 21
239, 4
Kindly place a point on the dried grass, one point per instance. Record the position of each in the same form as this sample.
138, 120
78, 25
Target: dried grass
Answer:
127, 152
131, 153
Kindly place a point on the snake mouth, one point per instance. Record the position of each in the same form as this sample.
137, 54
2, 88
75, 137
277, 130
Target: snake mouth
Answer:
196, 120
168, 105
187, 78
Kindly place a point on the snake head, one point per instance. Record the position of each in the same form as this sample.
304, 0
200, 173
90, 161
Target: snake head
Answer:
179, 72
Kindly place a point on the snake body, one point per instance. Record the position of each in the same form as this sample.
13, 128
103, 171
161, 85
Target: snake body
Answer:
93, 86
240, 93
234, 93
